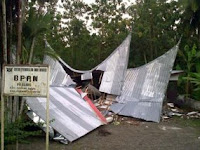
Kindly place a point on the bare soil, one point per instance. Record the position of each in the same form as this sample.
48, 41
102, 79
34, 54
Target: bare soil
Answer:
173, 134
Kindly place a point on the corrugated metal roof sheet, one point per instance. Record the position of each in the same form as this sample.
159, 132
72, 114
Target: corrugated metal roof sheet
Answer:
115, 68
145, 87
86, 76
177, 72
58, 76
149, 111
72, 116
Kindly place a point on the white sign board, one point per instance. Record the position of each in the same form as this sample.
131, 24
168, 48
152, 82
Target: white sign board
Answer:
26, 80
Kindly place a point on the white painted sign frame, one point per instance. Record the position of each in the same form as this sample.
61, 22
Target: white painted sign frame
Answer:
25, 80
25, 94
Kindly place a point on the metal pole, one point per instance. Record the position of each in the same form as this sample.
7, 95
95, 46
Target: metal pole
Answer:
47, 114
2, 111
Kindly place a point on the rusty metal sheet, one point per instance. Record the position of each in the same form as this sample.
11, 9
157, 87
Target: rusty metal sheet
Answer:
146, 85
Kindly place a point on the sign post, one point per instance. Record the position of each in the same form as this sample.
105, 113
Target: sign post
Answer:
47, 116
2, 112
25, 80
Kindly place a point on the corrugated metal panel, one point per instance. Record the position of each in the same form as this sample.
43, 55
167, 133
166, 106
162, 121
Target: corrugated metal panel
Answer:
149, 111
72, 116
58, 75
115, 68
177, 72
175, 75
147, 84
66, 65
36, 119
86, 76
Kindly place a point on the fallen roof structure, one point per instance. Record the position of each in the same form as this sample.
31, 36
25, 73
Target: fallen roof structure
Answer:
58, 76
114, 67
71, 116
144, 88
140, 92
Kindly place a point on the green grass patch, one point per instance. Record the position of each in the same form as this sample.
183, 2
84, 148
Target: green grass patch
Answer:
191, 122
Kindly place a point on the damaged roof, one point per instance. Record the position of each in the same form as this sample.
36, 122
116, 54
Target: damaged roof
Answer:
144, 88
70, 115
114, 67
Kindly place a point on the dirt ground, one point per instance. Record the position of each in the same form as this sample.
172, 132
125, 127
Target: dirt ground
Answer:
174, 134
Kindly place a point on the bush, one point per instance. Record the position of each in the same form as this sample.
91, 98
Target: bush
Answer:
17, 131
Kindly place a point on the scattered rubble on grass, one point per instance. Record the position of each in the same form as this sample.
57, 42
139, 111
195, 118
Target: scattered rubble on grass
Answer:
169, 110
104, 103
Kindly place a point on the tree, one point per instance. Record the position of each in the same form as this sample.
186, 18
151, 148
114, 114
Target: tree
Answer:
92, 42
154, 29
112, 28
191, 17
35, 25
12, 16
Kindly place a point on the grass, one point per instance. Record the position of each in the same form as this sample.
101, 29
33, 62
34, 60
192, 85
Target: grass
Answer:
191, 122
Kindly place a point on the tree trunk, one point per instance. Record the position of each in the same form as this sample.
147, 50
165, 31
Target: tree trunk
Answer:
31, 51
10, 60
145, 57
4, 39
4, 35
19, 52
19, 31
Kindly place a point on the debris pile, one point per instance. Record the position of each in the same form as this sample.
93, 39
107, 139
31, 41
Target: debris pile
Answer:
169, 110
104, 102
135, 92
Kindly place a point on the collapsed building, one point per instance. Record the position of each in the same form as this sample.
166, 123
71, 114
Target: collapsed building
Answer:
136, 92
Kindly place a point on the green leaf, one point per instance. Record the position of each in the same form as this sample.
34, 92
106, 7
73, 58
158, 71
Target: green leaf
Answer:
198, 54
178, 67
198, 67
194, 50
